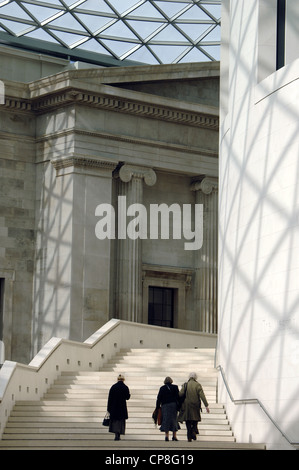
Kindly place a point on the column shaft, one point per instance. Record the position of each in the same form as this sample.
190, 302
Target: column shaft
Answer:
206, 263
129, 251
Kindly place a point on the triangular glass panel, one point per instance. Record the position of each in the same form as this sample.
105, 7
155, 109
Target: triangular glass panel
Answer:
213, 51
146, 11
118, 47
120, 30
195, 13
144, 56
68, 38
93, 22
14, 10
94, 5
41, 34
41, 13
170, 34
168, 54
66, 21
214, 34
144, 28
171, 8
215, 10
93, 46
14, 26
194, 55
122, 6
193, 31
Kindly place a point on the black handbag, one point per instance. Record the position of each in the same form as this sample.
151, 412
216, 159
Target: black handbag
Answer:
106, 420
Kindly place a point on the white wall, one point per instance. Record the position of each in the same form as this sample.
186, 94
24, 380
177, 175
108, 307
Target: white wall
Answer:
259, 237
292, 32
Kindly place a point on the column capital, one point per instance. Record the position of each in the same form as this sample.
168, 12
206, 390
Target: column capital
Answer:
207, 185
127, 172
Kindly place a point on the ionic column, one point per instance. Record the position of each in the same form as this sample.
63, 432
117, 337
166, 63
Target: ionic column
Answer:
129, 252
206, 193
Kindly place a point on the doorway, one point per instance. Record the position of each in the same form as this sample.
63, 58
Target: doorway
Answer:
161, 306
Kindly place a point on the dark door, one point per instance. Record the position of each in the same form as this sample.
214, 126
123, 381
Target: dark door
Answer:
160, 306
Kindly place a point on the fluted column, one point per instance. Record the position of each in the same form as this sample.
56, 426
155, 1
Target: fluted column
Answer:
206, 191
129, 251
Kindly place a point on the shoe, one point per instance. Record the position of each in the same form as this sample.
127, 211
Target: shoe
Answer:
189, 440
174, 439
166, 439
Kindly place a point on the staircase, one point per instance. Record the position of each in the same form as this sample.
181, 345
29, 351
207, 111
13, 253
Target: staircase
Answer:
70, 414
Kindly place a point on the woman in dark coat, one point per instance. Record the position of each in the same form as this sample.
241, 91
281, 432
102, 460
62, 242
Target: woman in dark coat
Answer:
119, 393
168, 398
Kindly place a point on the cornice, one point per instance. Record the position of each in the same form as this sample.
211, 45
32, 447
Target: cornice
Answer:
16, 104
128, 106
45, 99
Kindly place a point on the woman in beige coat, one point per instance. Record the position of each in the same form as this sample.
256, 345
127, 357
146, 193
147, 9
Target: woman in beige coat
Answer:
191, 406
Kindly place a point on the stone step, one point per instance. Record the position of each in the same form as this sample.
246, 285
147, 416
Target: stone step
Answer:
86, 414
161, 362
169, 351
70, 414
135, 406
92, 385
129, 377
20, 426
135, 445
152, 368
92, 396
201, 352
91, 419
110, 374
204, 436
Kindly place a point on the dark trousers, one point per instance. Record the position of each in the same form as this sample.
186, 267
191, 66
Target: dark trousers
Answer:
191, 429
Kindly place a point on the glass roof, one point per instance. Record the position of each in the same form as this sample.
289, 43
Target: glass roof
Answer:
139, 31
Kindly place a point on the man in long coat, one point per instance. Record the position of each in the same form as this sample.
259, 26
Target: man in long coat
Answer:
119, 393
193, 394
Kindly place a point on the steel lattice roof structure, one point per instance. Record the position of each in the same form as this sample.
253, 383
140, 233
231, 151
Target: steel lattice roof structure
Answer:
115, 32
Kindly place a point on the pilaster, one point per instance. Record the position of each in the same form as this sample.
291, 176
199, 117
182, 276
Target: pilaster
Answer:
72, 266
206, 193
129, 251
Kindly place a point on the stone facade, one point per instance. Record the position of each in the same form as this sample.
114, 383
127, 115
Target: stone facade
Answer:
73, 139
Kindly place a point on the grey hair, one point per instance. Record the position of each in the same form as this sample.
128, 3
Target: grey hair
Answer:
193, 375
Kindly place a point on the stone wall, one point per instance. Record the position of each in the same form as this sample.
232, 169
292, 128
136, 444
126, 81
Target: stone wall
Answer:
73, 140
